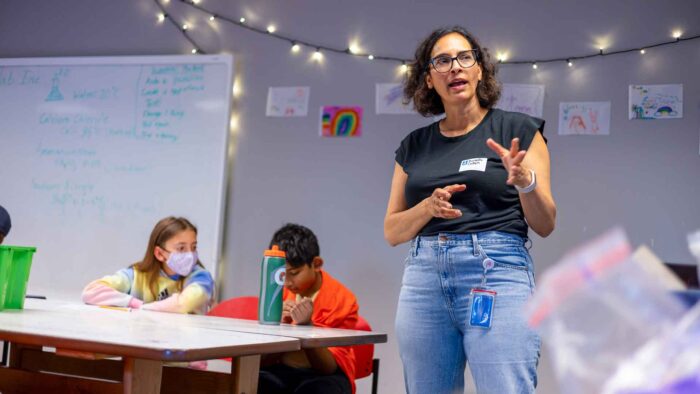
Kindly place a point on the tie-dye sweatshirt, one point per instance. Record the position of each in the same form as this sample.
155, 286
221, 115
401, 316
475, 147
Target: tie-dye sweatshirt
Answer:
128, 288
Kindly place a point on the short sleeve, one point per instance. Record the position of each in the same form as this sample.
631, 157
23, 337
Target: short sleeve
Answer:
525, 128
413, 145
401, 153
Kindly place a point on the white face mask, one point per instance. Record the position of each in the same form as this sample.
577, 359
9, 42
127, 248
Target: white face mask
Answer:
182, 262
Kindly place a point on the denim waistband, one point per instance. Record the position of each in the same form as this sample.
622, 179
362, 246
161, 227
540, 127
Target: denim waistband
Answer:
483, 238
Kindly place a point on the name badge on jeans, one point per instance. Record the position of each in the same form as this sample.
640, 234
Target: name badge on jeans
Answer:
482, 308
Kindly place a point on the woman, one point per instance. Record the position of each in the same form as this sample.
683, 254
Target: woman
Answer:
466, 202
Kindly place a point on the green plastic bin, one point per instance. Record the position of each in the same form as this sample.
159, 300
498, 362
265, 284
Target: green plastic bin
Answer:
15, 263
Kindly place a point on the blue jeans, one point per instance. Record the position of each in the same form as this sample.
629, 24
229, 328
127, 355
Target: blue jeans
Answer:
435, 337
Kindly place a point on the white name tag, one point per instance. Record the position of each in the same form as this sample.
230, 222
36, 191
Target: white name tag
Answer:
478, 164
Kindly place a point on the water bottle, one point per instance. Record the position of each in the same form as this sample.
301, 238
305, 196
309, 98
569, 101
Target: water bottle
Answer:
271, 286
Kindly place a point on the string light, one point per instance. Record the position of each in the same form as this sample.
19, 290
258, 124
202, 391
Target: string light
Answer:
642, 51
295, 47
237, 88
233, 122
404, 68
180, 25
353, 50
370, 57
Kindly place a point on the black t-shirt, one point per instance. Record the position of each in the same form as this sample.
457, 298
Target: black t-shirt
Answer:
433, 160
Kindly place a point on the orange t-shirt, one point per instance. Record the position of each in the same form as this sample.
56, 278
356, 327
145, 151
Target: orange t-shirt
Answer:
336, 307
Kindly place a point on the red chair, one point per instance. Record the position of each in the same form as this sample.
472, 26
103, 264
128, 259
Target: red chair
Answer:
365, 363
247, 308
237, 307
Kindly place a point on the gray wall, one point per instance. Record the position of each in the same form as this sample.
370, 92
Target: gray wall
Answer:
643, 176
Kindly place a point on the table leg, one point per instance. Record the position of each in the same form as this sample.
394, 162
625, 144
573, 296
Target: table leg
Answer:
142, 376
15, 359
245, 370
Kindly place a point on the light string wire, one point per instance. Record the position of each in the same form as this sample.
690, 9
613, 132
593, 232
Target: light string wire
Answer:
319, 47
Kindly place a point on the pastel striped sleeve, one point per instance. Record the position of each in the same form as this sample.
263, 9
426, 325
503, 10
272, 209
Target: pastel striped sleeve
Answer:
112, 290
194, 298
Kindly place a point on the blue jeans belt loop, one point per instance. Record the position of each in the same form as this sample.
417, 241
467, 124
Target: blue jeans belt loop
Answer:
416, 245
475, 245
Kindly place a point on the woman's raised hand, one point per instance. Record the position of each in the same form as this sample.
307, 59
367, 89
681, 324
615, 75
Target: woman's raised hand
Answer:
512, 160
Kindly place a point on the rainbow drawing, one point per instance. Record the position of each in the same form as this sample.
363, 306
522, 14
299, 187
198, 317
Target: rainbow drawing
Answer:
656, 101
341, 121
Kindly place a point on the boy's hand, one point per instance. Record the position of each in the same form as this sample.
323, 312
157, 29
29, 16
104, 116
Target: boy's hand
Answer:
287, 307
301, 312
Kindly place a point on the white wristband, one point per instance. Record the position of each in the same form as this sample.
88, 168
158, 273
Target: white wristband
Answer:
530, 187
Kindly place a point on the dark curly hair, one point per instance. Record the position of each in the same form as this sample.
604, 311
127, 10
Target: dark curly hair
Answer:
425, 100
298, 242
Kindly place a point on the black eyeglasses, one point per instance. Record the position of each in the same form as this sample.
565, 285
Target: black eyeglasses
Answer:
443, 63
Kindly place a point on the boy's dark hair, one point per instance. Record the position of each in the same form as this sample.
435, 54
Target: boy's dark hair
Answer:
425, 100
298, 242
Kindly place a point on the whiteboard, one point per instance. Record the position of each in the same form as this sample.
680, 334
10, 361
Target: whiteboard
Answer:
94, 151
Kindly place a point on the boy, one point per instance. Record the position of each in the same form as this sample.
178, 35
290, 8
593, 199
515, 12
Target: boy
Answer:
311, 296
5, 223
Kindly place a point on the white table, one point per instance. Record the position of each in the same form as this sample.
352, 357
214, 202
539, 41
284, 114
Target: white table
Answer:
144, 340
309, 336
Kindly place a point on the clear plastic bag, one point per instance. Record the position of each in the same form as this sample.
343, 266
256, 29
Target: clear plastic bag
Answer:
667, 364
694, 247
597, 306
670, 362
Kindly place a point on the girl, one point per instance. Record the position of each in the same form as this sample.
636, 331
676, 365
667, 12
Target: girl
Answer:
170, 277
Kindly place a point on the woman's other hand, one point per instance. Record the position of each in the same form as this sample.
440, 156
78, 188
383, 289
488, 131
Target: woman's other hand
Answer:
438, 204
